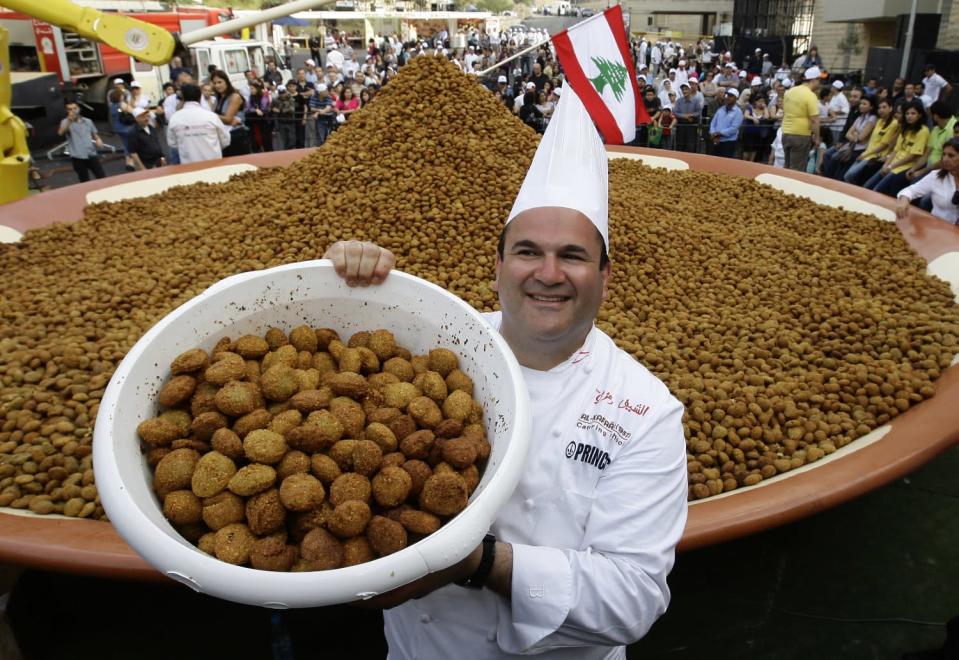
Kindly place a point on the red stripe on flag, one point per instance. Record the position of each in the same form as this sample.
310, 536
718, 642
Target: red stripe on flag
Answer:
614, 16
594, 104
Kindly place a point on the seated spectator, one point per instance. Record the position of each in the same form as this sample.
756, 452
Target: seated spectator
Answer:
939, 184
910, 146
881, 141
836, 163
943, 127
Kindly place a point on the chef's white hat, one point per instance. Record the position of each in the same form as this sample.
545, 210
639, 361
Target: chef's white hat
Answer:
569, 168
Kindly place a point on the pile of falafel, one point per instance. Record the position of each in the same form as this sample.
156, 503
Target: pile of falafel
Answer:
299, 452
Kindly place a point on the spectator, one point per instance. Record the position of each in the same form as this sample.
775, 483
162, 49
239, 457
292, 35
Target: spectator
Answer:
503, 92
545, 106
520, 97
814, 162
323, 110
711, 93
284, 109
837, 106
347, 104
943, 127
801, 120
665, 124
857, 138
927, 101
757, 133
145, 146
936, 85
306, 122
806, 61
207, 97
121, 118
198, 134
688, 113
229, 107
724, 127
881, 141
529, 114
939, 184
258, 118
664, 91
272, 75
83, 142
871, 86
314, 43
910, 146
908, 95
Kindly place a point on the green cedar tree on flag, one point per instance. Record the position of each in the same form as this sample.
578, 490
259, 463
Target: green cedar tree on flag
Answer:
596, 59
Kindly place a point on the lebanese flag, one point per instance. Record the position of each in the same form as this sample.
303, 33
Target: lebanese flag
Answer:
595, 56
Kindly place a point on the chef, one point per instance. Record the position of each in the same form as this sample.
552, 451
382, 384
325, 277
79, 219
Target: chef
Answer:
575, 564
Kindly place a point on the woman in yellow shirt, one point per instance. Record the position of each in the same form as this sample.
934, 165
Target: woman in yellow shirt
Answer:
881, 141
910, 147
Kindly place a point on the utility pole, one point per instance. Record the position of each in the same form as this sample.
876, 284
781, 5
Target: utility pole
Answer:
905, 55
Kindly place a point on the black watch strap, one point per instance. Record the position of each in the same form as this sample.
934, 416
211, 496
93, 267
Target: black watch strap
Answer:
478, 579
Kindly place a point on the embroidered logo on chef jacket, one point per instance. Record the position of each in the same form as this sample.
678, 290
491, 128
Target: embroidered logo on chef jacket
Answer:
578, 451
606, 428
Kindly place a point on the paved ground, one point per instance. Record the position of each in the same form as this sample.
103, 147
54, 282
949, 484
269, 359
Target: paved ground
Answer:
871, 580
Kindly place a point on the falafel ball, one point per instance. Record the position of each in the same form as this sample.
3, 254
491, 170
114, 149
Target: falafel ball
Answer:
349, 518
350, 486
265, 513
386, 536
323, 550
391, 486
272, 554
234, 544
444, 494
301, 492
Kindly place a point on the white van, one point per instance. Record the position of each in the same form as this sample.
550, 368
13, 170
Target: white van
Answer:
236, 56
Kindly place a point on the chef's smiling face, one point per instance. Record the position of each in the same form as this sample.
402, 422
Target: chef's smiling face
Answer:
550, 283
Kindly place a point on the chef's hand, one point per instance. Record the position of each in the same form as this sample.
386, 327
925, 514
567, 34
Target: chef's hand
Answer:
426, 584
902, 208
360, 263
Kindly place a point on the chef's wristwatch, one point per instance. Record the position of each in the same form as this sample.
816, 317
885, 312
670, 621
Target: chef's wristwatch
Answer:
478, 579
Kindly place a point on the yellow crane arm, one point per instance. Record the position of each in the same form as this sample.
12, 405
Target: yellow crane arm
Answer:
146, 42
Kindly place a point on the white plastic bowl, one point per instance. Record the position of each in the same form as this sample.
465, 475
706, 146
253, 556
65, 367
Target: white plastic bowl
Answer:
420, 315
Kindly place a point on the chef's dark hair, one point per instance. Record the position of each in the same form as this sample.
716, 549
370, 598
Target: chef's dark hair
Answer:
953, 144
501, 247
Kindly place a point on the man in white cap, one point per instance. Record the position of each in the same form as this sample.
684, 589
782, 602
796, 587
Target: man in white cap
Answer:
503, 92
682, 74
144, 142
576, 564
518, 101
725, 124
801, 120
837, 107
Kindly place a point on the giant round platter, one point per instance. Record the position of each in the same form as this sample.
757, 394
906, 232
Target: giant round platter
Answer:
885, 454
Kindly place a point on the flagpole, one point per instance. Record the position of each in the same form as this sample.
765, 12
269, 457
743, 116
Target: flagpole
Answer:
534, 46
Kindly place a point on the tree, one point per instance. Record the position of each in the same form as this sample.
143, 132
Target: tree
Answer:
494, 6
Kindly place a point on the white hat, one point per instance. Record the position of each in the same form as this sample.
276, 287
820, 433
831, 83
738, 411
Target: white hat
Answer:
742, 74
759, 50
558, 91
569, 168
310, 63
732, 91
693, 79
530, 85
502, 79
756, 81
672, 70
684, 84
787, 83
134, 84
321, 87
139, 111
119, 81
812, 73
682, 62
837, 84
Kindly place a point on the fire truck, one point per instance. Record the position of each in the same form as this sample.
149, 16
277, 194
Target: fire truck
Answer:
90, 65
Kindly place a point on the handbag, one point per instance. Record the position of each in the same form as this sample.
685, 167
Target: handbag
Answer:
655, 135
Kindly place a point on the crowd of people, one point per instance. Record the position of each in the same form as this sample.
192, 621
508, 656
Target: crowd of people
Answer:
698, 100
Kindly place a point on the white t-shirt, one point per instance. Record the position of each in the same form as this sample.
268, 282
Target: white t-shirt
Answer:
593, 522
942, 191
198, 134
934, 85
170, 104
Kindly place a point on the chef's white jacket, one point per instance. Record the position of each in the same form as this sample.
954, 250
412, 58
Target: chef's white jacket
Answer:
198, 134
593, 523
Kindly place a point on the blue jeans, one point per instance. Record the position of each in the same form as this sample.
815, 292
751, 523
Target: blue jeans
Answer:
174, 156
861, 170
887, 184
